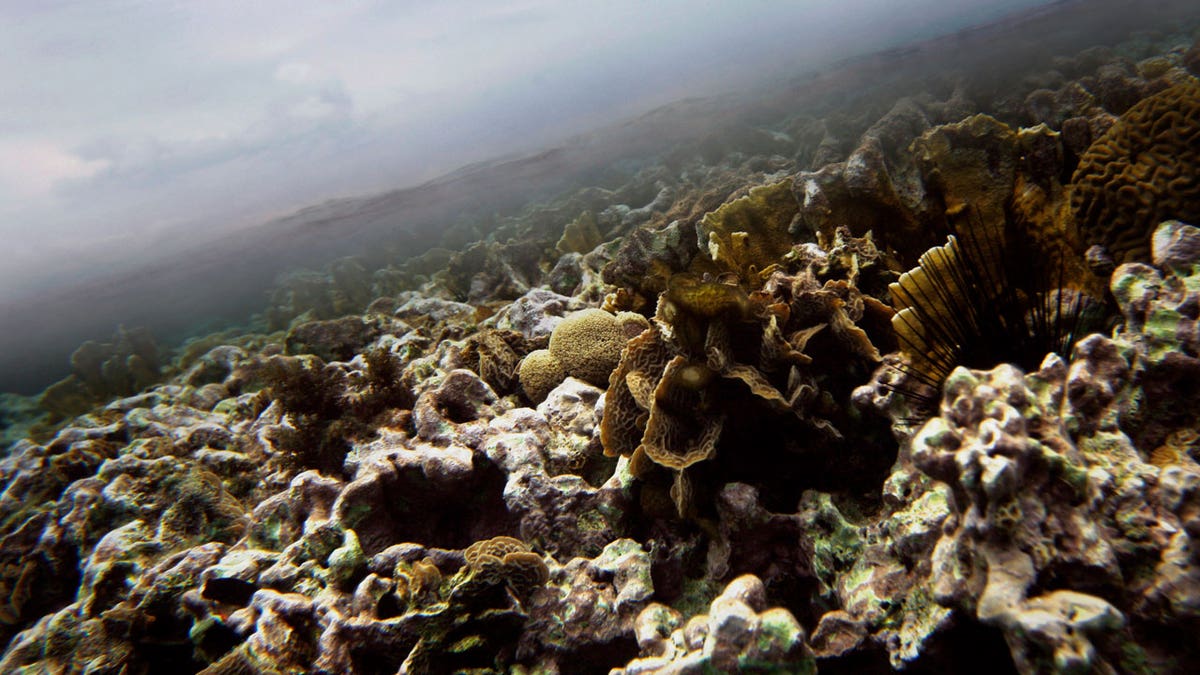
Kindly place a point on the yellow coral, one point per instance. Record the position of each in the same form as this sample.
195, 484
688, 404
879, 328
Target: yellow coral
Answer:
1142, 171
748, 235
580, 235
588, 344
540, 373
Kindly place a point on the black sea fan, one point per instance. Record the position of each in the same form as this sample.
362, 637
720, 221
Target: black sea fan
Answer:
990, 295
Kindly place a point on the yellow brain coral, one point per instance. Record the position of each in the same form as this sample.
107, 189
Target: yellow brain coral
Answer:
588, 344
1144, 170
540, 372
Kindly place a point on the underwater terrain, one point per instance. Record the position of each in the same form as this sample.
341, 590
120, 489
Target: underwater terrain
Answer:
905, 381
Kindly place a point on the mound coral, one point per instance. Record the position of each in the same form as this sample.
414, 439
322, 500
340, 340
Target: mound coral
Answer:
586, 344
1142, 171
540, 372
1040, 522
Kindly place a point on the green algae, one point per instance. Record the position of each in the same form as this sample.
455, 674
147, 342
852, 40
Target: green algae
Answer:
347, 561
696, 596
837, 543
922, 618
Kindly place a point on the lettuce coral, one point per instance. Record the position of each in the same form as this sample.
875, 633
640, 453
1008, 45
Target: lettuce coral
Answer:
716, 351
748, 235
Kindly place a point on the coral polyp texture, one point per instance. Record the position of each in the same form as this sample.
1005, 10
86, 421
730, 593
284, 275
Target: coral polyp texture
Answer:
1145, 169
586, 344
874, 387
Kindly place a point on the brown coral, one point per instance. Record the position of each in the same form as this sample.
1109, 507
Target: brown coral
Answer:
580, 235
630, 392
1143, 171
540, 373
103, 370
747, 235
718, 352
506, 560
496, 356
586, 344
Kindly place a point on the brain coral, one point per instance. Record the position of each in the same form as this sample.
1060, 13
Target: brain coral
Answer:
540, 373
1144, 170
588, 344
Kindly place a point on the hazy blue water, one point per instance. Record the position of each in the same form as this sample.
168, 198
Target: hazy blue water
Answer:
226, 280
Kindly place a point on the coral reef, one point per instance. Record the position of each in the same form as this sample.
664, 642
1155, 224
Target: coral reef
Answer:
102, 371
812, 394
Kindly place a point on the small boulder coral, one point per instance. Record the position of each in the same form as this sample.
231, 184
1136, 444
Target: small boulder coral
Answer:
540, 373
586, 345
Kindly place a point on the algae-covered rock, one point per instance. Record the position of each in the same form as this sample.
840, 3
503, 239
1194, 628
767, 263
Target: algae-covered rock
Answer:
737, 634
